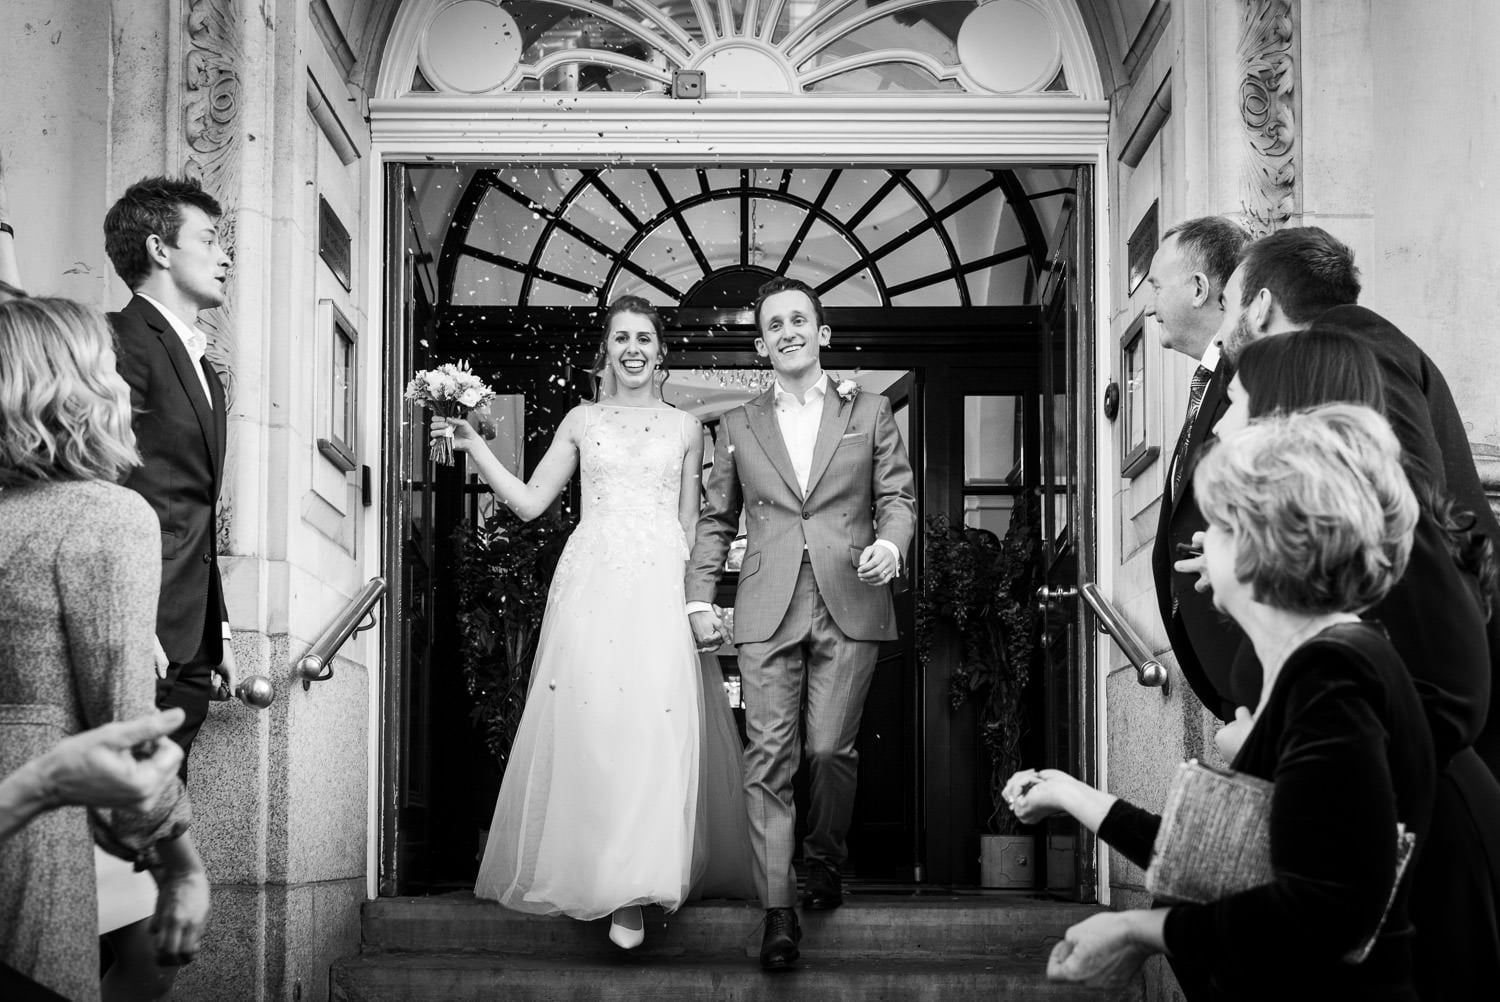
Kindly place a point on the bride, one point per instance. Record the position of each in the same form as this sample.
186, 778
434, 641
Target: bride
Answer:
624, 786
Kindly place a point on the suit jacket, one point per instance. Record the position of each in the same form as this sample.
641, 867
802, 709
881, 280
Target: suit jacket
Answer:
859, 488
1203, 639
181, 437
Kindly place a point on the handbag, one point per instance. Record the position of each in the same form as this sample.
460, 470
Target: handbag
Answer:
1215, 840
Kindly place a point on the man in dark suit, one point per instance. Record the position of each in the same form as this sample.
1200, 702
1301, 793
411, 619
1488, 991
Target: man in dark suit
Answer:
1187, 279
163, 240
1293, 277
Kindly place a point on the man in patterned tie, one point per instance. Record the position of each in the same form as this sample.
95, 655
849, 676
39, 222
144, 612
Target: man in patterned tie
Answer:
1187, 280
162, 238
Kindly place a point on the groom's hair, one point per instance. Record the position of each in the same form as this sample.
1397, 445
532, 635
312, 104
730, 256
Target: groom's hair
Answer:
151, 205
783, 284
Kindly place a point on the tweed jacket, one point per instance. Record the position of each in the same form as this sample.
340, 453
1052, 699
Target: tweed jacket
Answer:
859, 489
78, 572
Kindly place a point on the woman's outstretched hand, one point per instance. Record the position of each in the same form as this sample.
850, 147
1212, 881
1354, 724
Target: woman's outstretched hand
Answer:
1036, 794
463, 434
1105, 950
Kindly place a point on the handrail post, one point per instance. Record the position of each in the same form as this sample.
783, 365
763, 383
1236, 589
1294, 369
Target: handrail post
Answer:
356, 617
1148, 670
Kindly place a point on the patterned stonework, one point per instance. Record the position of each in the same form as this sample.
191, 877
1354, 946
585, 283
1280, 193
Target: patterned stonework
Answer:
211, 107
1268, 108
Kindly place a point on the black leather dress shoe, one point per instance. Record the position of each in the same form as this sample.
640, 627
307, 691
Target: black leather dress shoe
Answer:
824, 889
778, 948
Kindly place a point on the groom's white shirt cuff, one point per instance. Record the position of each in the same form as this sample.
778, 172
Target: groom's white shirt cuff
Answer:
693, 607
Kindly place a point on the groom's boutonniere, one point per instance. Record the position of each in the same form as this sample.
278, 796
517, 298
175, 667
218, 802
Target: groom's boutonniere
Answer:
847, 389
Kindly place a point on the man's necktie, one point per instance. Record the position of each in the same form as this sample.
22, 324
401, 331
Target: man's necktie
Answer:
1201, 376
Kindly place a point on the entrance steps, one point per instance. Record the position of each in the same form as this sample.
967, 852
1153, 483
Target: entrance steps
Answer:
897, 947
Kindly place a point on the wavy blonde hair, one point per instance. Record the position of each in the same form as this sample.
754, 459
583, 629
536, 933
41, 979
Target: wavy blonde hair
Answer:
1320, 505
64, 410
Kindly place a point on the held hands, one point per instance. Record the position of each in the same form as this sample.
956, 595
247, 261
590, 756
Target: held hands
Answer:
1102, 951
463, 434
1192, 562
877, 565
1232, 735
708, 629
124, 764
1036, 794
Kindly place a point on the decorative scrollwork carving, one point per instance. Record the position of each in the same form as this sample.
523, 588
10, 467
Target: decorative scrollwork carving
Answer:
211, 109
1268, 110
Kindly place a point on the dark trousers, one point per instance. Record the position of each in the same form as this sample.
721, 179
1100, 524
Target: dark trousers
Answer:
189, 685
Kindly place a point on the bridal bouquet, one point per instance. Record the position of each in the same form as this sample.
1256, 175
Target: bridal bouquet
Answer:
449, 391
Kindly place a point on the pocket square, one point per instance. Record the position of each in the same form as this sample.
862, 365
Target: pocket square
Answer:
854, 434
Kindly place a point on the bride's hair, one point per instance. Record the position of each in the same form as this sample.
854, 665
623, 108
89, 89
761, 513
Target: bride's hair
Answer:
603, 378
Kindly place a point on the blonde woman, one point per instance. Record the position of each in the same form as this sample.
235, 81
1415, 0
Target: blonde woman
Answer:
79, 563
1310, 520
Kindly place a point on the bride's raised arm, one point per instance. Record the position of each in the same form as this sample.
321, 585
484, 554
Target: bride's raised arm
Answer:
527, 499
690, 496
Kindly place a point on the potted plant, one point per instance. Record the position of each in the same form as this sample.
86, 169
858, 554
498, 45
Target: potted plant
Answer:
502, 572
983, 587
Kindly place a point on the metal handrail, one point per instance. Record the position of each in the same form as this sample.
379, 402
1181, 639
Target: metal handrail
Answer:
1148, 670
317, 664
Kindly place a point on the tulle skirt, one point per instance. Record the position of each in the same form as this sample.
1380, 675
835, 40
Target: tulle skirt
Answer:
625, 783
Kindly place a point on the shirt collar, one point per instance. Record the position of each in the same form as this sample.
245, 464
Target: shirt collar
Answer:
1210, 359
184, 330
820, 388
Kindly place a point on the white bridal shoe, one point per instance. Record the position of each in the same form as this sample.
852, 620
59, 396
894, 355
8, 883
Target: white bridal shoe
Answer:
627, 929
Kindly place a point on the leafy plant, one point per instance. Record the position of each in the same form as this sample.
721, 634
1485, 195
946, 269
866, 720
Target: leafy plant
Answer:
984, 588
502, 572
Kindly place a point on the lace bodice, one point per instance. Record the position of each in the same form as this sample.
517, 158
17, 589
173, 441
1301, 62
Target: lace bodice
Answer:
630, 459
630, 464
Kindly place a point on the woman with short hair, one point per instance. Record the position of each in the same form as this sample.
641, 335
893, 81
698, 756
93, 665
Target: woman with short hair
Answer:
1310, 522
79, 564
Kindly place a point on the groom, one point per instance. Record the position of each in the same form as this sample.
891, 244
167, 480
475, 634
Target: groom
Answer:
822, 476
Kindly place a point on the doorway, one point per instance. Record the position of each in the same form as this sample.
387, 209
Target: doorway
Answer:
939, 285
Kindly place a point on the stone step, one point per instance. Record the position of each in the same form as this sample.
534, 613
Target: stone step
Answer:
896, 925
621, 977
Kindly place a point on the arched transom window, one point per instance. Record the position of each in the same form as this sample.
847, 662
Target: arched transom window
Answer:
553, 236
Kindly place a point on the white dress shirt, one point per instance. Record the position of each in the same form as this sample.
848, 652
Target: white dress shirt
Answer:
799, 421
193, 339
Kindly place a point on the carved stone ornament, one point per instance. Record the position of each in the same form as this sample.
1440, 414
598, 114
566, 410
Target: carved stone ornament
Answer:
1268, 108
211, 111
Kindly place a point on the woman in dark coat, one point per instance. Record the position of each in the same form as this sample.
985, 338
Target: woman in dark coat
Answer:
1435, 618
1310, 522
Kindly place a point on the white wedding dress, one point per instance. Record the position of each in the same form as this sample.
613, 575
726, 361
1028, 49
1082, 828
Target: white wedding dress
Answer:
625, 783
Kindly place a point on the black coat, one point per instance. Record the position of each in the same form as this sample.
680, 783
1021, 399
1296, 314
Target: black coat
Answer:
1203, 639
1343, 738
1420, 408
181, 438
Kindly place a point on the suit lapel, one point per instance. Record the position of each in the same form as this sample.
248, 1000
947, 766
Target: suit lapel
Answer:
762, 414
182, 365
836, 414
221, 419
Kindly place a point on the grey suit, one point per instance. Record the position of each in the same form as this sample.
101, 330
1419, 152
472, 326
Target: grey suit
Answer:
802, 618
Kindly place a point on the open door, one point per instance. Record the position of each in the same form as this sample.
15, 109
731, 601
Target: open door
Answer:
1065, 403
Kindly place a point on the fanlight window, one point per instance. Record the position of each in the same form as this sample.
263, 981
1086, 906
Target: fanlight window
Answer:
743, 47
554, 236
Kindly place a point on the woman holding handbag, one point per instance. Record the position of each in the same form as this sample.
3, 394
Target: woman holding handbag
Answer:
1310, 522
